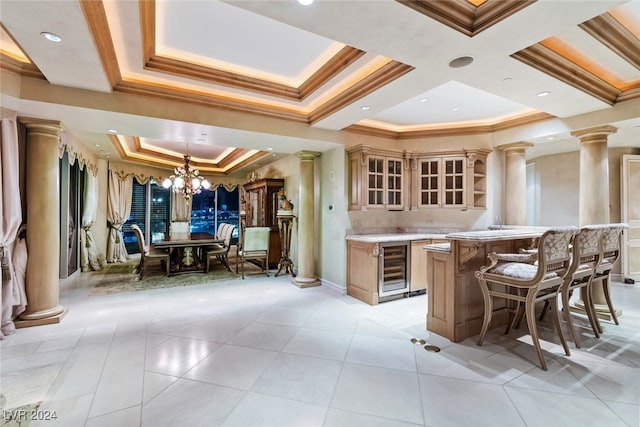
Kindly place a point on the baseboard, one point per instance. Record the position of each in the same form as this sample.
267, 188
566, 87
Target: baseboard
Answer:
333, 286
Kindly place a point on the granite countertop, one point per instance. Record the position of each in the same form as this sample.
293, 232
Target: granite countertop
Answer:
438, 247
495, 235
394, 237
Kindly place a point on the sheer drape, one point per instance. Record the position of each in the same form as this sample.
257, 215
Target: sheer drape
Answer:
180, 216
88, 251
11, 210
180, 208
118, 209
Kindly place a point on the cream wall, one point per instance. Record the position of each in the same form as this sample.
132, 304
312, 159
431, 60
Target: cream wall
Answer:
335, 222
556, 183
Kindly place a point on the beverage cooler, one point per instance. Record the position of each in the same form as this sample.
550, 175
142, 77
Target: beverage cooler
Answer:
393, 277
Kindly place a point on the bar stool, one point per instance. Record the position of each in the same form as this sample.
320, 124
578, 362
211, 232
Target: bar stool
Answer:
516, 277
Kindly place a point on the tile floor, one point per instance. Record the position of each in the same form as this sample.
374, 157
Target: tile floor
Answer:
261, 352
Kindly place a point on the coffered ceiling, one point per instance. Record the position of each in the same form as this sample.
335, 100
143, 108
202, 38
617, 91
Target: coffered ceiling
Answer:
240, 83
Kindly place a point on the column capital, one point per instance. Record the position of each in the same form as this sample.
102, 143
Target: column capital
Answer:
308, 155
515, 147
41, 126
595, 134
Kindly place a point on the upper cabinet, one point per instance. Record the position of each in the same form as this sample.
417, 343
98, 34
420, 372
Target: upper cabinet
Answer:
418, 180
377, 178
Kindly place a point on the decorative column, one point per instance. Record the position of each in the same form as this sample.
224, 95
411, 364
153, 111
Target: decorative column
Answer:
515, 179
594, 195
594, 175
43, 224
306, 239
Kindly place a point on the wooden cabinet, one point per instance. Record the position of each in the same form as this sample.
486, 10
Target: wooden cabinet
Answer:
479, 183
370, 281
377, 178
397, 180
449, 179
419, 269
441, 182
262, 201
362, 271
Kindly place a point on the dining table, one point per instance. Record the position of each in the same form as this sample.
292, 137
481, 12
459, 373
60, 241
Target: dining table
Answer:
187, 252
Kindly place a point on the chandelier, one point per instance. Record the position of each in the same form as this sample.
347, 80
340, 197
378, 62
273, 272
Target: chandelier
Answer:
186, 180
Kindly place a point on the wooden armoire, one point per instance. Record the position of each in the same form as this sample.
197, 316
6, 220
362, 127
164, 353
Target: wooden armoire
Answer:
262, 201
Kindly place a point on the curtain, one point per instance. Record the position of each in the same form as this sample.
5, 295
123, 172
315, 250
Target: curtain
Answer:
180, 207
180, 216
88, 251
11, 210
118, 209
19, 260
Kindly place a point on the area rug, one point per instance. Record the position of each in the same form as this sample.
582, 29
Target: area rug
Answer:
122, 277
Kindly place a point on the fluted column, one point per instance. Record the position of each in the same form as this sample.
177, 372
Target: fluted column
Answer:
306, 239
594, 175
515, 183
43, 224
594, 194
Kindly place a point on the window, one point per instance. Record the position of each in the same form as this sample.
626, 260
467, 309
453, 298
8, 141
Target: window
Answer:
136, 216
211, 208
159, 215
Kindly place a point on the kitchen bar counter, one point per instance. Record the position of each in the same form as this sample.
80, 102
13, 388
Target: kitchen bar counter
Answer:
455, 306
394, 237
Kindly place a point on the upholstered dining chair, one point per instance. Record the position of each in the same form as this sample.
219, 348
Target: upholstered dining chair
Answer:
527, 279
221, 251
220, 232
254, 246
609, 255
148, 254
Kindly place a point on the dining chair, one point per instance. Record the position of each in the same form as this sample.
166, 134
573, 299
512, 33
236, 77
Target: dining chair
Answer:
221, 251
254, 246
527, 279
148, 254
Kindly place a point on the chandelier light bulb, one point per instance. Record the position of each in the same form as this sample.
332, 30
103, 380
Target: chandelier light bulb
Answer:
195, 183
178, 182
205, 184
166, 183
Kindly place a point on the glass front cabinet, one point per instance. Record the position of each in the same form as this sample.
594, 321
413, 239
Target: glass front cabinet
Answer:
417, 180
377, 179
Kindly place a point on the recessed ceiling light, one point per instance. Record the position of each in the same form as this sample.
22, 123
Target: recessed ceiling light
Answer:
112, 130
423, 100
544, 93
460, 62
550, 138
305, 2
270, 148
97, 145
52, 37
365, 108
455, 109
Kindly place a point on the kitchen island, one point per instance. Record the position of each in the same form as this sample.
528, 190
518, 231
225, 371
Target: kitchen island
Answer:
387, 265
455, 306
